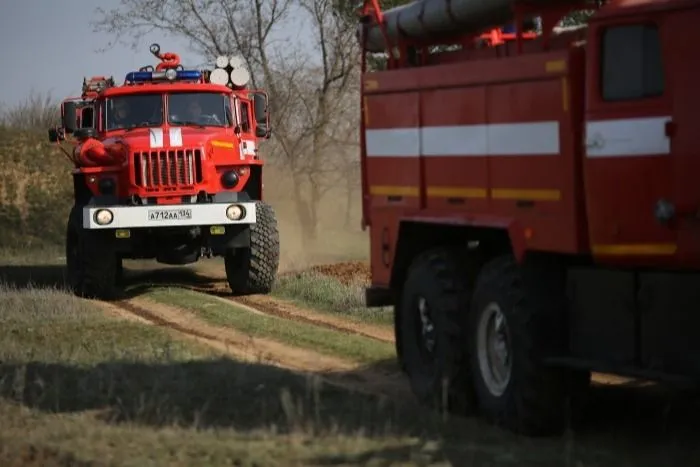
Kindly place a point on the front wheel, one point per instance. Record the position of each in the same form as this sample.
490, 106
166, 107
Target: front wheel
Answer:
253, 270
93, 268
432, 320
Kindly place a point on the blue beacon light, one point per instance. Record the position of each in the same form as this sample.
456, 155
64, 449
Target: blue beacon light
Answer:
189, 75
181, 75
139, 76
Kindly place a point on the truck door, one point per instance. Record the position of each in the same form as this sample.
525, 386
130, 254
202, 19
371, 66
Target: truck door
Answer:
628, 164
684, 76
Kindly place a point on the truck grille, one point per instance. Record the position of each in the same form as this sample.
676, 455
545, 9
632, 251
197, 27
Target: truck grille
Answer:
168, 170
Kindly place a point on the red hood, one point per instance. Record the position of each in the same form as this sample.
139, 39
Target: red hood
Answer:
155, 138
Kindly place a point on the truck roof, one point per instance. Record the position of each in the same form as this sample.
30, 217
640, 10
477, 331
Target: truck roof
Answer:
165, 87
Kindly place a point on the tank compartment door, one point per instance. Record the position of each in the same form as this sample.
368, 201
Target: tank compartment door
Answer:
628, 163
392, 140
392, 169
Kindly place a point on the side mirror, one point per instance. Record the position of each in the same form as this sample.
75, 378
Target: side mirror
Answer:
69, 116
262, 117
56, 135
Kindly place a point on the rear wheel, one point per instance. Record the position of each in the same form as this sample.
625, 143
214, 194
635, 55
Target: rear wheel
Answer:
253, 270
92, 265
432, 316
517, 319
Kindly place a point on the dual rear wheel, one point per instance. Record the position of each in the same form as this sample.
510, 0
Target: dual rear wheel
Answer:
473, 338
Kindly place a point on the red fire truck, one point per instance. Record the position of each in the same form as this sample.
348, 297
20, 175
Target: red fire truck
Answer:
167, 168
531, 197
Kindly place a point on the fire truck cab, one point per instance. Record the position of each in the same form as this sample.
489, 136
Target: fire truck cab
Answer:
532, 203
167, 167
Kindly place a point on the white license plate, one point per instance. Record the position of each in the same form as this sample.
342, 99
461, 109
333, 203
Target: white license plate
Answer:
169, 214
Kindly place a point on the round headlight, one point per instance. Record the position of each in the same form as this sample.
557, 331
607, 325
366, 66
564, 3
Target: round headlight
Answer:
104, 217
235, 212
229, 179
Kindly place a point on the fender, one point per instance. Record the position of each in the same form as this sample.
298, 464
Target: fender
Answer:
515, 231
95, 153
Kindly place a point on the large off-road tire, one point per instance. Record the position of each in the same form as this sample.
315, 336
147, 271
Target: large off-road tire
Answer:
517, 318
253, 270
93, 267
432, 314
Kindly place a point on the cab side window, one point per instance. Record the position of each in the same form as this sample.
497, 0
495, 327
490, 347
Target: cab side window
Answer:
631, 63
245, 117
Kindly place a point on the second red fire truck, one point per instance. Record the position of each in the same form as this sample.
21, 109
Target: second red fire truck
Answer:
532, 197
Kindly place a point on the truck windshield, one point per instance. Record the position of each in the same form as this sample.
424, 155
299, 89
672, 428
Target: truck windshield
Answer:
199, 108
140, 110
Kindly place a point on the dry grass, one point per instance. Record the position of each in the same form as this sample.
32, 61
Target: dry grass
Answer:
327, 294
35, 190
37, 111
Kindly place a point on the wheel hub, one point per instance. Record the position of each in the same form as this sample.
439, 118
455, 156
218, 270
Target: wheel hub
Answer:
427, 326
493, 349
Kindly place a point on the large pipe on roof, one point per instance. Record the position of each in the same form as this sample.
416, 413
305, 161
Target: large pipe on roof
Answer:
423, 18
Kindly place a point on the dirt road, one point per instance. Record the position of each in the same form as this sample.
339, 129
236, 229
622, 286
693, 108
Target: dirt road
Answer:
344, 372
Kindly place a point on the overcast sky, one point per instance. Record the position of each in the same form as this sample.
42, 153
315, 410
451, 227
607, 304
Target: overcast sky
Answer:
49, 46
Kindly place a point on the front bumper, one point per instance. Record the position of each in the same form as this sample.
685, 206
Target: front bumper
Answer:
126, 217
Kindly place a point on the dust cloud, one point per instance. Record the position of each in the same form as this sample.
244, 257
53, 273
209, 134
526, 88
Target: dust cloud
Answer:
339, 236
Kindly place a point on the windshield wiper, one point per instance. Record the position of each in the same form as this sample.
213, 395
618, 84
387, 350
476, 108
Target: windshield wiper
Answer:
135, 126
188, 123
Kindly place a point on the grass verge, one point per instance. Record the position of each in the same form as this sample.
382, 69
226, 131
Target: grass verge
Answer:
324, 293
294, 333
46, 256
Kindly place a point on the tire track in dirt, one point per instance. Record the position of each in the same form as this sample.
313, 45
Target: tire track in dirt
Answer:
334, 370
269, 305
273, 306
283, 309
217, 287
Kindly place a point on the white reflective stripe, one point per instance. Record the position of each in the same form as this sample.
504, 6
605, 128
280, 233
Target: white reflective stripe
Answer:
462, 140
156, 137
175, 137
524, 139
507, 139
395, 142
627, 137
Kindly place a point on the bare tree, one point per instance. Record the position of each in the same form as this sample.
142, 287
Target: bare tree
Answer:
307, 83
